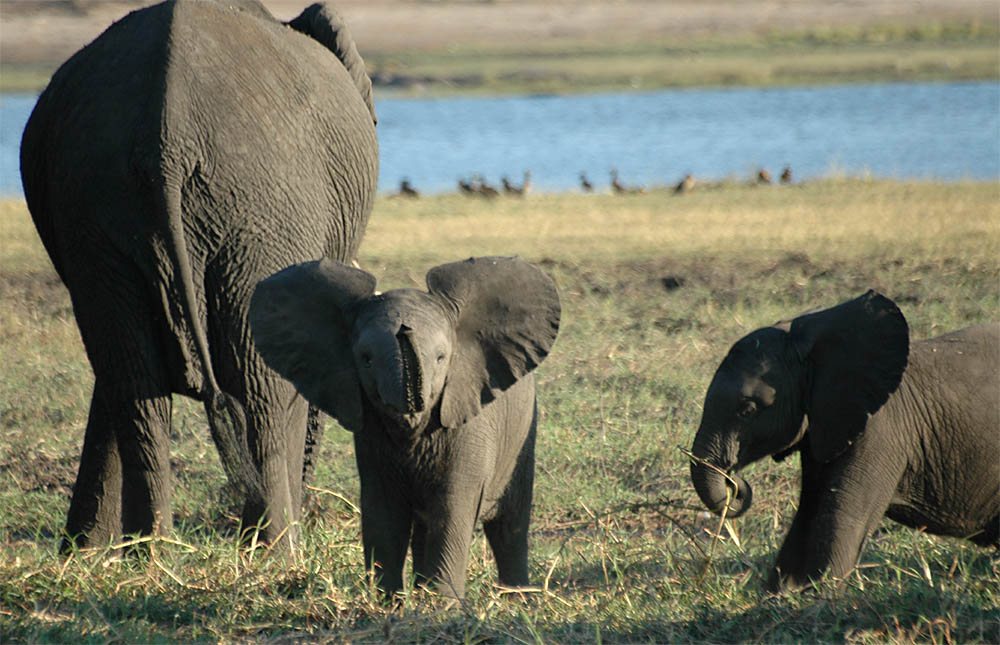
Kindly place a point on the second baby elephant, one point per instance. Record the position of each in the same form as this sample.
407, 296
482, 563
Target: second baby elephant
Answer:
883, 427
436, 387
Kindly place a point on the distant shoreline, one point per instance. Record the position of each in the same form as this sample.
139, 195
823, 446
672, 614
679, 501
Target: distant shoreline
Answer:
571, 46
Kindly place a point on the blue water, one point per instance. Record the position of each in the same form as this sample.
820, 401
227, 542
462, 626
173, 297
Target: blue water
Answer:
945, 131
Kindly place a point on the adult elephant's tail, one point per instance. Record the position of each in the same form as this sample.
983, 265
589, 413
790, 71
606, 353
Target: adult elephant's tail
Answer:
226, 416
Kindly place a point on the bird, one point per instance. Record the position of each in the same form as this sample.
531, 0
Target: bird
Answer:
786, 175
763, 176
685, 185
467, 187
585, 184
620, 188
485, 189
518, 191
407, 190
526, 182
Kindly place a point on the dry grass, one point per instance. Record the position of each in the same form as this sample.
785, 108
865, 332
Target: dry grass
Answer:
654, 288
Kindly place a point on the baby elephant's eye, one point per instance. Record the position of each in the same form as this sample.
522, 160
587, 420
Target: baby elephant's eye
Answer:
748, 409
440, 358
366, 360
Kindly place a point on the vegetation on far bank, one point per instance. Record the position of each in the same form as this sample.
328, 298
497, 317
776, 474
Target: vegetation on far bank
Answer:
655, 288
820, 55
931, 51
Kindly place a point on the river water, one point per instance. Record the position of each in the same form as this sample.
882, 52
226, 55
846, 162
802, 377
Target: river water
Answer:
942, 131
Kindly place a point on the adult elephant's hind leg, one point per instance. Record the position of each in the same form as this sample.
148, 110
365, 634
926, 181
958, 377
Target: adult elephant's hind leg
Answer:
123, 484
276, 425
144, 447
94, 516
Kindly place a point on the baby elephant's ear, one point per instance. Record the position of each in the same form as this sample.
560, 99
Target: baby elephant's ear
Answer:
856, 353
301, 319
506, 320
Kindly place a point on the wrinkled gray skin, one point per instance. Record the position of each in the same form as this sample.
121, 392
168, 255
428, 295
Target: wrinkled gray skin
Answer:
921, 446
437, 389
191, 150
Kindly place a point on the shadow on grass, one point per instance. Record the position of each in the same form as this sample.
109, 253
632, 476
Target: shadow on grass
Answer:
916, 615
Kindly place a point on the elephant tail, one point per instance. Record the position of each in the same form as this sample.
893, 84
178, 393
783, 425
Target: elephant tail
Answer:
226, 416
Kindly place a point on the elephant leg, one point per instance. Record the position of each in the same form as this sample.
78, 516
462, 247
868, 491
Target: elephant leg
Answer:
123, 484
95, 510
508, 538
144, 447
418, 547
841, 504
276, 426
386, 518
507, 533
275, 413
447, 541
787, 572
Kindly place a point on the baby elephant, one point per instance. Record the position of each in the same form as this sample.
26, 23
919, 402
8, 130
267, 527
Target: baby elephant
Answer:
436, 387
907, 431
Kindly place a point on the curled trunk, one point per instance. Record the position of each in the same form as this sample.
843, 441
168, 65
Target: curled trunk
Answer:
716, 485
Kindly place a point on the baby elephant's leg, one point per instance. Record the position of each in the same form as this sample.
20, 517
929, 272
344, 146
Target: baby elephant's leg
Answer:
507, 532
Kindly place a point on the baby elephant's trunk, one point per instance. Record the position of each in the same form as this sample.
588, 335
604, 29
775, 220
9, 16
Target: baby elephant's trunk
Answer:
412, 374
714, 480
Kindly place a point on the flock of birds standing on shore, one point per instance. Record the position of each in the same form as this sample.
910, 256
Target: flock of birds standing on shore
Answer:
477, 186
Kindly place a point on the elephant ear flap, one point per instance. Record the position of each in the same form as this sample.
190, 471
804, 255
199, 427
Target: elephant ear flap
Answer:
322, 23
856, 354
506, 315
300, 319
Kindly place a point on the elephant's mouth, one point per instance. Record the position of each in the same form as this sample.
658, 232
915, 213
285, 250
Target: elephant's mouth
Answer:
721, 491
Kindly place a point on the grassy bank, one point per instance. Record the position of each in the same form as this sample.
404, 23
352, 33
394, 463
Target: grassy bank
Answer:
932, 51
936, 50
655, 288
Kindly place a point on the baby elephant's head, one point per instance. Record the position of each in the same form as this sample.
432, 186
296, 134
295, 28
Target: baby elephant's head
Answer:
834, 367
402, 345
482, 324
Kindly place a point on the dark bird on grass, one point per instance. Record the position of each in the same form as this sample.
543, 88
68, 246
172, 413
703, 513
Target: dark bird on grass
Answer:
585, 184
763, 176
621, 189
485, 189
518, 191
407, 190
786, 175
467, 187
685, 185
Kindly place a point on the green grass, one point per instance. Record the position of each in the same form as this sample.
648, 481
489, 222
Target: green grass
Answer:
620, 548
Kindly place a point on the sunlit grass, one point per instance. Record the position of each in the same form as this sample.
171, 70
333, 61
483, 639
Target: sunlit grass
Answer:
654, 288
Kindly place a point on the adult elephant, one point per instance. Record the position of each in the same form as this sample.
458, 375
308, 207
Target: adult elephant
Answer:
191, 150
910, 431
